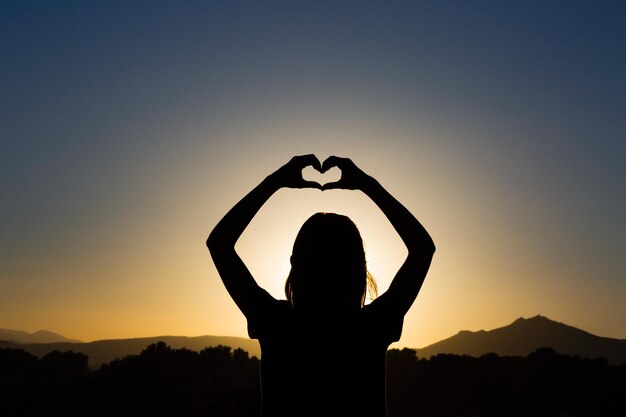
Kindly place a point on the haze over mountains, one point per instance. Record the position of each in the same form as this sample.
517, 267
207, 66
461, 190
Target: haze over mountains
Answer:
519, 338
41, 336
104, 351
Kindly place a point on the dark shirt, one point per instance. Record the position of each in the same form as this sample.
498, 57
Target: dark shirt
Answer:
323, 365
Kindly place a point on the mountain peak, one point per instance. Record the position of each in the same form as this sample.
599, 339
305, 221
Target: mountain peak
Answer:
537, 318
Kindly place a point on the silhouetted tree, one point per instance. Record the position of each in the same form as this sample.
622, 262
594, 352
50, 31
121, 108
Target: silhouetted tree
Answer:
16, 366
61, 366
221, 382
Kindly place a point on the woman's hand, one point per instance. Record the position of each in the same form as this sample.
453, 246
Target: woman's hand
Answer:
290, 174
352, 178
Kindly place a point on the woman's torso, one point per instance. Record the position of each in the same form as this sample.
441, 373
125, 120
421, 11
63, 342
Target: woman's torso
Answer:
318, 365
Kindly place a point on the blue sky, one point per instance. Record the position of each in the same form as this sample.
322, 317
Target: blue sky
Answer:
501, 124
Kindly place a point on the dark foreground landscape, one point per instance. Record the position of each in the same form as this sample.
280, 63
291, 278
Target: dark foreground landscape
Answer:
219, 381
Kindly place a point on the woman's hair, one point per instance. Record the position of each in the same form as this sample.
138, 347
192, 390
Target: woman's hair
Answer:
329, 246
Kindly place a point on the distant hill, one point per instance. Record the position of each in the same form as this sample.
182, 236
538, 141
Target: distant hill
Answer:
104, 351
523, 336
520, 338
41, 336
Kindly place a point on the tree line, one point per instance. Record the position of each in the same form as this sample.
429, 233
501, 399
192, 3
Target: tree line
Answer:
222, 382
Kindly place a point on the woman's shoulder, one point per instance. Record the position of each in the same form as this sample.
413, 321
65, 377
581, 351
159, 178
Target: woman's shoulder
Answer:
382, 321
270, 316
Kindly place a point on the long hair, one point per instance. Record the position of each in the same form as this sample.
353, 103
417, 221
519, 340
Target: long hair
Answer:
329, 247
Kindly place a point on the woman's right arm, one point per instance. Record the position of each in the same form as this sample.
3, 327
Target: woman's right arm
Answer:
236, 277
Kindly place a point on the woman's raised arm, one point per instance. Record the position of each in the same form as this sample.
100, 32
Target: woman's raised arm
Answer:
238, 280
409, 278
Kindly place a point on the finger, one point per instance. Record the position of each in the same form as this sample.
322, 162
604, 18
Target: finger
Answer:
310, 184
331, 186
330, 162
317, 165
310, 160
314, 162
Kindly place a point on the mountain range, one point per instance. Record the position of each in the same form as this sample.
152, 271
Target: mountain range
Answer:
519, 338
526, 335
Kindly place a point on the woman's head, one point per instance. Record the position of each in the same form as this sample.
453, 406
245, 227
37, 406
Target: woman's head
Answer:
328, 247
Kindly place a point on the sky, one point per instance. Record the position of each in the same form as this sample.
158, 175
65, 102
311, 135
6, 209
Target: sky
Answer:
128, 129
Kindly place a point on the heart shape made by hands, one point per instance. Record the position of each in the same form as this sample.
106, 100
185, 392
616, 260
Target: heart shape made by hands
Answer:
311, 174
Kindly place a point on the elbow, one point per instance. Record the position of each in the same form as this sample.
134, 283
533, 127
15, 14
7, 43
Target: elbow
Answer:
423, 249
431, 247
218, 243
428, 245
212, 242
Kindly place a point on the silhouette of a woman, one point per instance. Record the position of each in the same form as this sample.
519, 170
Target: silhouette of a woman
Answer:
323, 351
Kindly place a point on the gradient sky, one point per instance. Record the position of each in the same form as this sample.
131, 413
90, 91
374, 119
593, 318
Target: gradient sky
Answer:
128, 129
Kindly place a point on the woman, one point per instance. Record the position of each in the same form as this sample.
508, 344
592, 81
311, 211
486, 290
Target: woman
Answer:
323, 350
